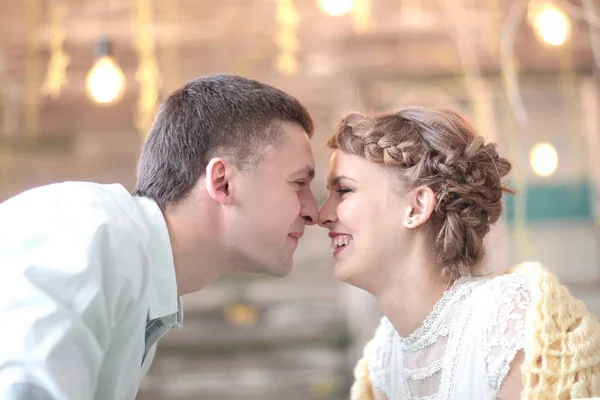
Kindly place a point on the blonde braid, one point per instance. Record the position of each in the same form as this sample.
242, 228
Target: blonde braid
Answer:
376, 144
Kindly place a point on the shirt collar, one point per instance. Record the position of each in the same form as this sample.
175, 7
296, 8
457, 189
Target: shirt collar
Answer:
163, 284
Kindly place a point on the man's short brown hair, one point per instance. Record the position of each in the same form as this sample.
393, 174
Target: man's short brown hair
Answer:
220, 115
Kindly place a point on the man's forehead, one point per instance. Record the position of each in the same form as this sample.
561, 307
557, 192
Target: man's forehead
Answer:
299, 158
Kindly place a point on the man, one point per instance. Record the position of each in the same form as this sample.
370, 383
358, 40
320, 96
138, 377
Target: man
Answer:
90, 276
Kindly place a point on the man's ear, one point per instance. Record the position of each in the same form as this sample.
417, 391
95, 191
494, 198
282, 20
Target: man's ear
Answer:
423, 203
218, 180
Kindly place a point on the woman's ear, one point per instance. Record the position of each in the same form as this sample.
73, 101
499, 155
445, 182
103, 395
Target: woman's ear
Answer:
422, 203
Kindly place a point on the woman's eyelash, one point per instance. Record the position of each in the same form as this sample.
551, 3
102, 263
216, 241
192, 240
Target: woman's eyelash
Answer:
343, 190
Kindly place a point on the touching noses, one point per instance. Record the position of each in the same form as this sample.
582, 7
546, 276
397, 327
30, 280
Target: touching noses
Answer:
327, 213
308, 208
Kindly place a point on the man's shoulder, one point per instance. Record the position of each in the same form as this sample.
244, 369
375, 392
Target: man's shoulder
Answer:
72, 206
70, 191
74, 221
70, 198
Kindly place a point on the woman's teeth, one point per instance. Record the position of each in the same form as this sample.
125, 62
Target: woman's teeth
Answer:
341, 240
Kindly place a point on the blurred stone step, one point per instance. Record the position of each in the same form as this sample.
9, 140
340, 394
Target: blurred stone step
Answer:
290, 374
276, 323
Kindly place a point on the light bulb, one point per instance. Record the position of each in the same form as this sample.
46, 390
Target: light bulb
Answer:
335, 8
543, 159
552, 25
105, 82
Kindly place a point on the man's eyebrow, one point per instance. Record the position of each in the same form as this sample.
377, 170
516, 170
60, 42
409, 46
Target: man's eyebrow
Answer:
306, 171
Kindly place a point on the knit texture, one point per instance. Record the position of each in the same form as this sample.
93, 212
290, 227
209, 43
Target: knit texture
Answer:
361, 388
562, 341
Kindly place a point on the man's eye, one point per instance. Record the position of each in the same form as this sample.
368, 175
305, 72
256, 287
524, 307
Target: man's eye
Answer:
343, 190
300, 183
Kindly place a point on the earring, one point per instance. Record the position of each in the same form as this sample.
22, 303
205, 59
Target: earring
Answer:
409, 221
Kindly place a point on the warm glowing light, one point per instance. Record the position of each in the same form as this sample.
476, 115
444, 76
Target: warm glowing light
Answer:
552, 25
241, 314
105, 82
543, 159
336, 8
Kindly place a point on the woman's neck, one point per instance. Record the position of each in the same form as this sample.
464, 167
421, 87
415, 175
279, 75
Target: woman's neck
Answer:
408, 298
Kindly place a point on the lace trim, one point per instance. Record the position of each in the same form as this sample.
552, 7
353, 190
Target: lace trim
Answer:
381, 355
503, 332
442, 331
432, 397
439, 306
454, 346
425, 372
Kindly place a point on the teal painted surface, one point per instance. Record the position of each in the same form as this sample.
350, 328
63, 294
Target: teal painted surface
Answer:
553, 201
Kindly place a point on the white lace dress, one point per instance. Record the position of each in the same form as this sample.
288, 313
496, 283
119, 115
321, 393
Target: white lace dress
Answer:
464, 348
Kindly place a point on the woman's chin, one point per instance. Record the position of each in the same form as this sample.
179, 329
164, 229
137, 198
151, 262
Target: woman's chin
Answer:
344, 272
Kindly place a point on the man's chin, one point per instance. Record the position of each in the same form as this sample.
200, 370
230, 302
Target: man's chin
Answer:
276, 270
282, 271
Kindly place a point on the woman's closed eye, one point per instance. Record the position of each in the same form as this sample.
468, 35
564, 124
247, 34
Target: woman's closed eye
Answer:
343, 190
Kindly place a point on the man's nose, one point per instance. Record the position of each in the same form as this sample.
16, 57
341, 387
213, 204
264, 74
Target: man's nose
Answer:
309, 211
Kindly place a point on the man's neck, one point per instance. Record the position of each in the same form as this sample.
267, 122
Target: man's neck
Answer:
197, 253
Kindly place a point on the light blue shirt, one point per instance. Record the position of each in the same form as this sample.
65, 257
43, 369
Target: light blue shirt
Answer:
87, 288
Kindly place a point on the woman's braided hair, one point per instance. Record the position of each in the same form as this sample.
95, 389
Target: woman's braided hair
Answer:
439, 149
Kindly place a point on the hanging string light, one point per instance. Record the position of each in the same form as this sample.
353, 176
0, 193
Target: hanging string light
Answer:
544, 159
2, 105
34, 74
525, 248
169, 51
286, 37
5, 163
105, 83
551, 24
508, 62
590, 104
361, 14
481, 99
148, 73
336, 8
56, 75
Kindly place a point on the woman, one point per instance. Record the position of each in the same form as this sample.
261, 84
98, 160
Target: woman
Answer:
411, 197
